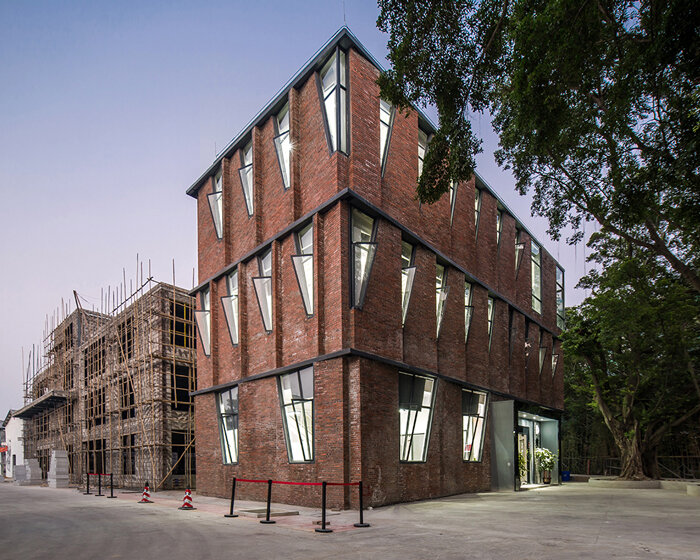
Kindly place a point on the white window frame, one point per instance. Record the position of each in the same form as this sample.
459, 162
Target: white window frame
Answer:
203, 320
423, 140
490, 311
364, 248
386, 126
228, 436
263, 289
408, 273
216, 204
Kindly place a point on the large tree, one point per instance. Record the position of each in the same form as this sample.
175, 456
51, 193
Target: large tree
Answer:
596, 103
634, 345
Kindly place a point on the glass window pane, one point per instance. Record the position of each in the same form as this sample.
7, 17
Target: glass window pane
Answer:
407, 276
283, 149
422, 149
415, 405
473, 422
283, 120
232, 283
328, 74
406, 254
307, 383
203, 319
265, 263
216, 206
330, 104
362, 226
304, 269
263, 291
218, 182
297, 410
342, 69
230, 305
343, 133
306, 240
246, 175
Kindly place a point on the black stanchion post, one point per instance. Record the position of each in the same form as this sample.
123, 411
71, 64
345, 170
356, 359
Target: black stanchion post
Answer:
323, 511
99, 485
87, 477
233, 497
111, 486
267, 519
362, 521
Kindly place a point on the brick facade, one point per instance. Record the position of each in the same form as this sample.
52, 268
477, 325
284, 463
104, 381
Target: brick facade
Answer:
357, 353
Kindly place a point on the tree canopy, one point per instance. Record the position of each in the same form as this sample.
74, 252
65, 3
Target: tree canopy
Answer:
596, 104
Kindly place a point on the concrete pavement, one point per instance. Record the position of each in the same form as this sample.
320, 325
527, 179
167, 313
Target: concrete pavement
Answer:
566, 522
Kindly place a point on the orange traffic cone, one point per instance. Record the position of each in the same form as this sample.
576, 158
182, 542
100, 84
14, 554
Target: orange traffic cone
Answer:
187, 501
146, 496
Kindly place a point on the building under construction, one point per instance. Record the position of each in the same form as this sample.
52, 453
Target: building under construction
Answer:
112, 390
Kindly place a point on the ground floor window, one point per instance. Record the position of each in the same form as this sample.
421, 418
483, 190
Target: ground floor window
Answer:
473, 422
228, 424
297, 398
416, 398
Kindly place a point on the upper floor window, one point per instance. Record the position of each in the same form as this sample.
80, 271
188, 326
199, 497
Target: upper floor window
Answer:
386, 122
246, 174
422, 150
335, 100
263, 288
363, 250
453, 200
416, 399
561, 310
440, 294
303, 263
473, 421
203, 318
491, 309
228, 425
519, 246
408, 272
297, 398
216, 204
468, 309
477, 209
555, 360
543, 351
536, 277
499, 226
283, 144
230, 304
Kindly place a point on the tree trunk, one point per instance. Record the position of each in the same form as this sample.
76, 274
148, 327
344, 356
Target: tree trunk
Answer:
631, 456
650, 462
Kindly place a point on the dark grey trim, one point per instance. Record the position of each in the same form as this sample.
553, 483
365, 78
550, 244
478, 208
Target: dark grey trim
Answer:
375, 358
321, 101
284, 233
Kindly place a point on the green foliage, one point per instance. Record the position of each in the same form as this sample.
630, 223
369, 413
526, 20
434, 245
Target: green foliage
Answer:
545, 459
595, 103
635, 343
522, 465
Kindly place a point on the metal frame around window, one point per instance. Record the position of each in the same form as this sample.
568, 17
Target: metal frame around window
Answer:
233, 299
536, 271
312, 444
440, 299
410, 275
299, 257
477, 210
453, 200
218, 204
561, 317
277, 142
483, 426
384, 154
468, 309
336, 91
519, 250
424, 455
243, 170
371, 256
222, 427
491, 317
204, 312
257, 282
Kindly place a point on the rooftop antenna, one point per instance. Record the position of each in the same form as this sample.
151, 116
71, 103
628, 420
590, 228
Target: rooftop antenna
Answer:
344, 21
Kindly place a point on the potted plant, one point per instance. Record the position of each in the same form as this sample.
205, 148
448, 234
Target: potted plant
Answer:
545, 463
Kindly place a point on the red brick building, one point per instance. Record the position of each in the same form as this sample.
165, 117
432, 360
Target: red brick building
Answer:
348, 332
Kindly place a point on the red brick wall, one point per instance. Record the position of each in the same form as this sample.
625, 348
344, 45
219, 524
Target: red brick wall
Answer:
356, 400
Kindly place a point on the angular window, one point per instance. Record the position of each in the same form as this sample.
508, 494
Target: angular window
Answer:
203, 319
499, 225
386, 122
228, 425
555, 360
473, 423
297, 397
230, 305
283, 144
422, 150
416, 399
216, 205
561, 312
543, 351
334, 90
363, 249
519, 246
468, 309
440, 294
477, 210
263, 288
490, 311
408, 272
453, 200
246, 174
536, 277
303, 263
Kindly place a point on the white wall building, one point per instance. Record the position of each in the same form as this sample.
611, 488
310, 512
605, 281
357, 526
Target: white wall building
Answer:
14, 441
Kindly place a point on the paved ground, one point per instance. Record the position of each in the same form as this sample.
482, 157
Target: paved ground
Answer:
567, 522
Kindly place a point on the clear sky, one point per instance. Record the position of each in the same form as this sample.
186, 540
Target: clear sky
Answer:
110, 110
